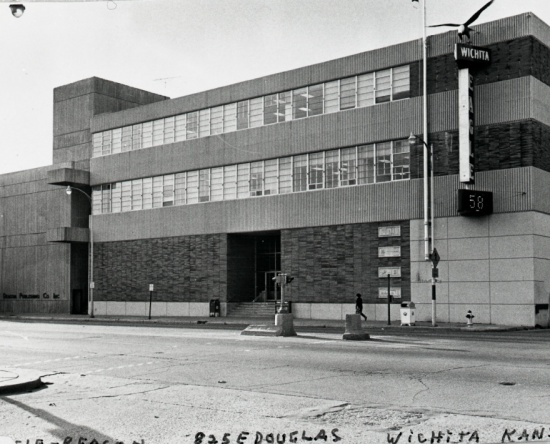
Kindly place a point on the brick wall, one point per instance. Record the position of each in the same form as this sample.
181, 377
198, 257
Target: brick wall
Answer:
190, 269
508, 145
333, 263
510, 60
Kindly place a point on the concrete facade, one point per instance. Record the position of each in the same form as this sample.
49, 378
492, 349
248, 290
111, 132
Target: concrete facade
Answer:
334, 240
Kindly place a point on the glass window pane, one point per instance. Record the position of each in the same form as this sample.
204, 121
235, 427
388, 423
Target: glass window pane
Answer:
157, 191
229, 117
216, 185
270, 176
315, 100
284, 106
348, 165
97, 144
347, 93
106, 199
168, 191
242, 115
126, 139
116, 203
256, 178
299, 103
365, 164
192, 187
192, 127
365, 90
136, 136
147, 193
299, 173
401, 160
216, 120
401, 82
243, 179
204, 185
230, 182
117, 141
179, 189
126, 196
315, 171
256, 112
382, 91
169, 125
383, 162
332, 173
147, 135
106, 145
332, 103
136, 194
96, 199
158, 132
204, 125
285, 175
270, 109
180, 131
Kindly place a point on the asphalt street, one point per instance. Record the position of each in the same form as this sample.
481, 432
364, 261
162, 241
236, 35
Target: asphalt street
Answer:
183, 385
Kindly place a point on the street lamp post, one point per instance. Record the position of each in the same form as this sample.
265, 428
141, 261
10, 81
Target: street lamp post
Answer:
429, 215
69, 190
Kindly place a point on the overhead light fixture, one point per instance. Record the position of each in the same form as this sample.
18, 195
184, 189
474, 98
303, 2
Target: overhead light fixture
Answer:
17, 10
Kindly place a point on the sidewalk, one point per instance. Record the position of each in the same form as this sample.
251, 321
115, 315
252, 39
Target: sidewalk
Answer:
220, 322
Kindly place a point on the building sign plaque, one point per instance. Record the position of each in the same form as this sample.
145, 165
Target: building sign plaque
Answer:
466, 126
392, 271
394, 291
389, 231
471, 56
389, 251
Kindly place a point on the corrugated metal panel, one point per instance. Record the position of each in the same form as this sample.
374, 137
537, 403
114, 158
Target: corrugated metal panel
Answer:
540, 101
504, 101
443, 110
388, 121
391, 201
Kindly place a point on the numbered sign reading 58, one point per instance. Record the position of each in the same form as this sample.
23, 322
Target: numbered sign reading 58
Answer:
475, 203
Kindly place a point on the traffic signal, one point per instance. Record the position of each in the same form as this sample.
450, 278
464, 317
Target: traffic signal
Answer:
289, 279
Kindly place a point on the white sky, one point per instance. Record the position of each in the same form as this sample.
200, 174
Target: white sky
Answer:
191, 45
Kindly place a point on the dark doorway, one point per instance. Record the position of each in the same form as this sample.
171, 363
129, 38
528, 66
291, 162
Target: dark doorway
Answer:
79, 302
253, 259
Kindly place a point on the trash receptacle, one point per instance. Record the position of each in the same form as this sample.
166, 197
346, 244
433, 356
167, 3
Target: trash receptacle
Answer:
407, 313
214, 308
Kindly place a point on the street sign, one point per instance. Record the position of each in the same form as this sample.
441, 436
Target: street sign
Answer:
92, 285
151, 287
435, 272
434, 257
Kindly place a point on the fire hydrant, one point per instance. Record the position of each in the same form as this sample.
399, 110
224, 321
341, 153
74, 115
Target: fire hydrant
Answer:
470, 318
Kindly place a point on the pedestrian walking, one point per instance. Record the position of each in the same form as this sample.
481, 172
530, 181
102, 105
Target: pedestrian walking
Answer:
359, 305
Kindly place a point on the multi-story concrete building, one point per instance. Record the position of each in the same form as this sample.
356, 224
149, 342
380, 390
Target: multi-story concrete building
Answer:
308, 172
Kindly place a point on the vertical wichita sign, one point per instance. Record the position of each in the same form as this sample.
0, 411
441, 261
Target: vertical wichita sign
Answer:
467, 56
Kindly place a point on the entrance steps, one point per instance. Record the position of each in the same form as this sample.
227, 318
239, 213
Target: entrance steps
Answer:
251, 310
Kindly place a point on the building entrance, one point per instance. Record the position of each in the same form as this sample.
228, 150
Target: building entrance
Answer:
252, 261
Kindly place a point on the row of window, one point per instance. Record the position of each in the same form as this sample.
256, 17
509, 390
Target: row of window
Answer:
351, 92
365, 164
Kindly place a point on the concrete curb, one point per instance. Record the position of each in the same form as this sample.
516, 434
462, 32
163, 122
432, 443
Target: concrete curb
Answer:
234, 323
14, 381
